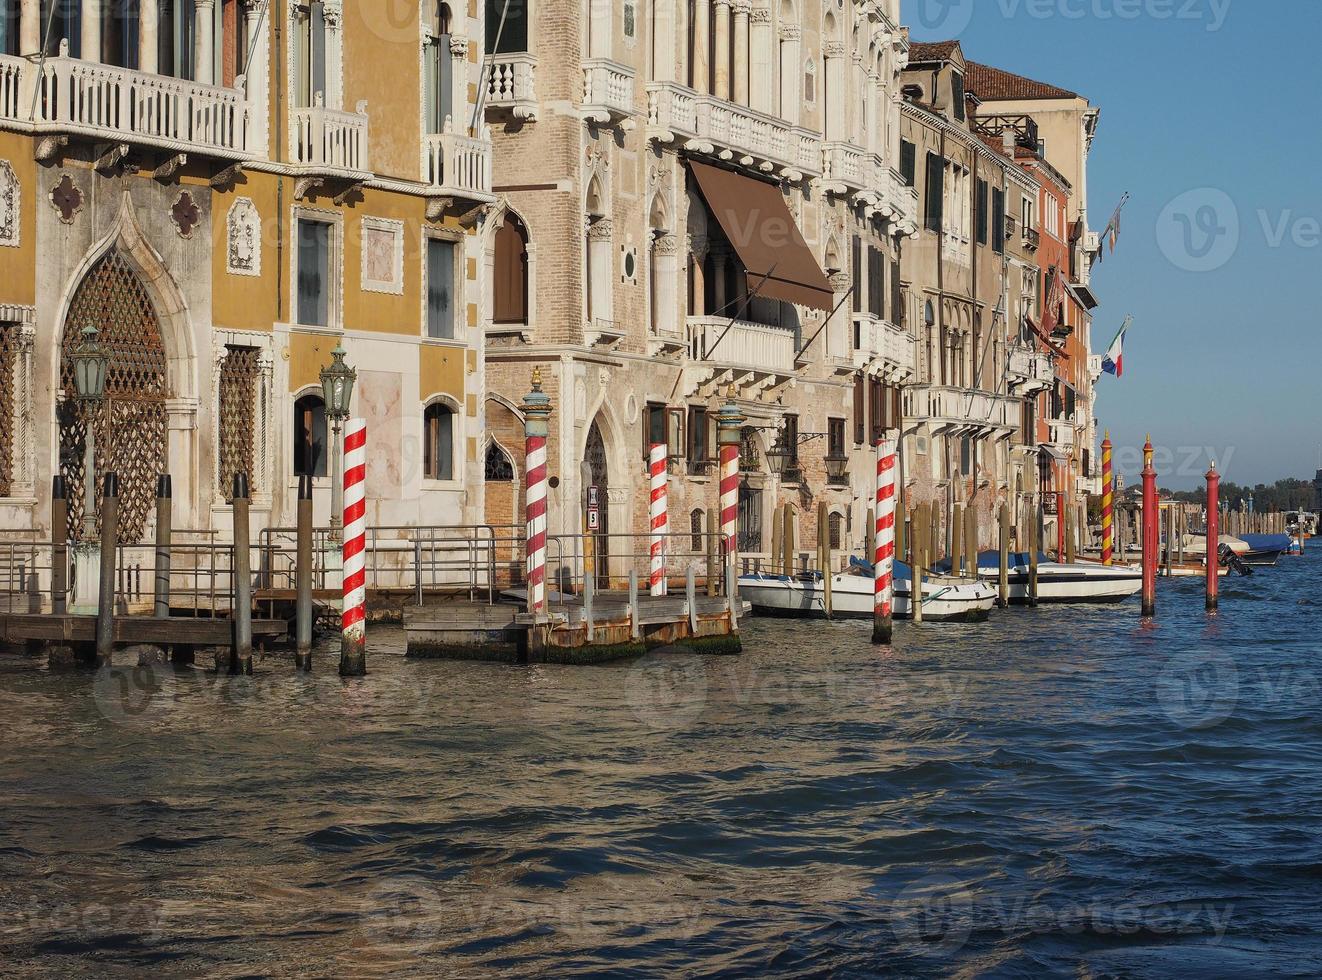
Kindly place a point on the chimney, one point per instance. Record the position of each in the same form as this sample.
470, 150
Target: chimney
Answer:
1008, 140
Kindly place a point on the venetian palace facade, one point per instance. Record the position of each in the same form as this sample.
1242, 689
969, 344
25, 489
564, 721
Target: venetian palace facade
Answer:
661, 204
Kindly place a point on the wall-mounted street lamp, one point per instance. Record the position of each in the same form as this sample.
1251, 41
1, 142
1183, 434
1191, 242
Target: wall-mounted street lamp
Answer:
91, 363
337, 381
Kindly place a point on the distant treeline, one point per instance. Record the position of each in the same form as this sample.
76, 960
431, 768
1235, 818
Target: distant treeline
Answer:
1283, 495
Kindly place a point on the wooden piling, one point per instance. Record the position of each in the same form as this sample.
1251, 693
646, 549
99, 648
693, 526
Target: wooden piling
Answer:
1212, 557
1034, 546
789, 539
241, 661
164, 517
870, 533
1004, 566
957, 536
59, 551
713, 555
934, 536
824, 554
921, 548
303, 578
777, 535
1151, 533
105, 599
971, 541
901, 530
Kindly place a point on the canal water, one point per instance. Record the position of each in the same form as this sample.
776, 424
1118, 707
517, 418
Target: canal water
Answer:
1063, 791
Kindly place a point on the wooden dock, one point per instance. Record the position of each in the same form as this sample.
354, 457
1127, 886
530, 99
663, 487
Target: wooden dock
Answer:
610, 627
179, 634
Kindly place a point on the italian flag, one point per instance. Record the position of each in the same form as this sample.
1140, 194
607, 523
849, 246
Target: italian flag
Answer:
1113, 361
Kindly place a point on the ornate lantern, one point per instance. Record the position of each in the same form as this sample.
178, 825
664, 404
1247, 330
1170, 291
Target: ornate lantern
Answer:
337, 382
90, 365
779, 456
836, 464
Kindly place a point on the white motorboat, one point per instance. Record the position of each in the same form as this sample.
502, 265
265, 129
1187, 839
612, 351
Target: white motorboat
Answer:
802, 596
1080, 582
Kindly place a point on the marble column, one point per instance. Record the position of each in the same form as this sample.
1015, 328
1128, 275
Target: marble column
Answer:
256, 74
741, 11
791, 73
839, 334
204, 65
665, 255
665, 29
600, 279
149, 19
698, 279
762, 92
834, 91
719, 299
90, 47
721, 51
29, 27
702, 45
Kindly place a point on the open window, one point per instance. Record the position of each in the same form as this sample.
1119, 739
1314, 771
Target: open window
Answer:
310, 443
438, 442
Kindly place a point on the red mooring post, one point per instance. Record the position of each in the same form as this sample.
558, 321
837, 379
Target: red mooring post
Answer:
1213, 536
1151, 544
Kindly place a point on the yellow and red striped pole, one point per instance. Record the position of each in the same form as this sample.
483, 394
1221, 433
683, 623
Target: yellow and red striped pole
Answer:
883, 564
660, 519
353, 619
536, 413
1108, 504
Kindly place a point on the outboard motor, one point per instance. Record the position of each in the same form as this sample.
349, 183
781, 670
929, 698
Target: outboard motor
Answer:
1228, 559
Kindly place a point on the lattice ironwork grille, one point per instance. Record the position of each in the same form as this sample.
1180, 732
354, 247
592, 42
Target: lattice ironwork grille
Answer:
131, 424
240, 379
8, 356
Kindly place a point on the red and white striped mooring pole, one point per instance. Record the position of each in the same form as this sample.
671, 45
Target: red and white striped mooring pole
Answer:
729, 422
536, 427
660, 519
353, 636
883, 564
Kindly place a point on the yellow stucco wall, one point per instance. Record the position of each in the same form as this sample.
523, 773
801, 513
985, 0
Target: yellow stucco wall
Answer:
248, 302
441, 372
308, 354
377, 35
18, 266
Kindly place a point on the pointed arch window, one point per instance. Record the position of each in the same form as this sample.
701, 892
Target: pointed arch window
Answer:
438, 442
511, 273
439, 67
498, 465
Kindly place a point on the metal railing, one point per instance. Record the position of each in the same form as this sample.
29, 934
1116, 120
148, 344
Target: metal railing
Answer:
614, 557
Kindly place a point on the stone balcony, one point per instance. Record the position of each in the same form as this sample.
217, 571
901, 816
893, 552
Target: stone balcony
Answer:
1062, 434
847, 169
884, 351
607, 91
329, 144
458, 167
1029, 371
716, 127
757, 358
66, 98
964, 411
511, 85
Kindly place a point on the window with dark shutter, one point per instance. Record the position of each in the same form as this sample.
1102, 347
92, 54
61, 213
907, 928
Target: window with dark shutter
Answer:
998, 220
654, 427
438, 442
981, 217
860, 411
908, 162
440, 289
857, 256
835, 437
957, 94
314, 273
510, 287
897, 296
936, 180
876, 410
699, 447
876, 282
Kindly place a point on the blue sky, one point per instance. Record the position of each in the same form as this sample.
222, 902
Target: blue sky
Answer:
1210, 120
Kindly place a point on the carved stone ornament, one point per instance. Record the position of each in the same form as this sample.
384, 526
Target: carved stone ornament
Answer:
66, 198
185, 214
243, 228
9, 204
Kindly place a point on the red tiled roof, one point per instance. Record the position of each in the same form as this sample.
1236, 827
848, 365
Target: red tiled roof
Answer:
922, 51
992, 84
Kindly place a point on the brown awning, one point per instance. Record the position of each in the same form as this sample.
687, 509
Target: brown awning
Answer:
760, 227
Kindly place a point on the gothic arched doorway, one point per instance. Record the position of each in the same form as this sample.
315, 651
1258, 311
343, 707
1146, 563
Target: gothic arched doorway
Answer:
131, 423
595, 454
